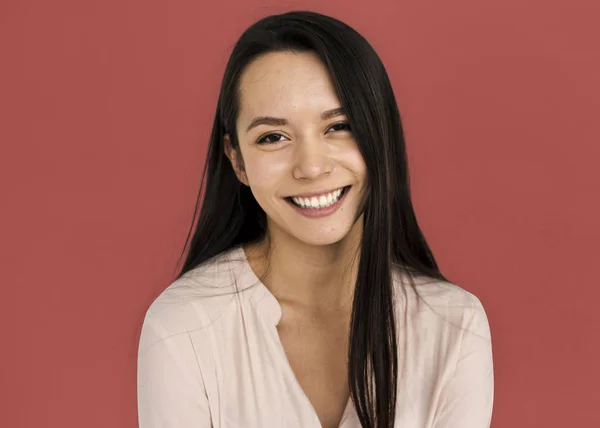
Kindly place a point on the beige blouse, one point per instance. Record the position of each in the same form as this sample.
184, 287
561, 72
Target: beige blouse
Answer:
211, 357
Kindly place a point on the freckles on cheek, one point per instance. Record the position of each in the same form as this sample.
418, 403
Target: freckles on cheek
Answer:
266, 173
259, 177
353, 160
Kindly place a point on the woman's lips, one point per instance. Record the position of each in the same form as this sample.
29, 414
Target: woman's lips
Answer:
320, 212
317, 194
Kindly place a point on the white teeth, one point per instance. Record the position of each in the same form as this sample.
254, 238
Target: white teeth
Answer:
319, 202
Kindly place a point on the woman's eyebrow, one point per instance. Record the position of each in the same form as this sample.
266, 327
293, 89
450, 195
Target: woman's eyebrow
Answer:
275, 121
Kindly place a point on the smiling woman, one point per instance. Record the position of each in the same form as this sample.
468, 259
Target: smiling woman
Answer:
313, 156
309, 297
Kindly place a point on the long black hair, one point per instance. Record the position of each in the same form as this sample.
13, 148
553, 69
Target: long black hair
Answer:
230, 216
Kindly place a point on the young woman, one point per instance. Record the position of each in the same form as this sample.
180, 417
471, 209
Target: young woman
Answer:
309, 297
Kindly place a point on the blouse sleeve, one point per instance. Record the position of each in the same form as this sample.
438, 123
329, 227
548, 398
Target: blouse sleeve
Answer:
170, 390
468, 398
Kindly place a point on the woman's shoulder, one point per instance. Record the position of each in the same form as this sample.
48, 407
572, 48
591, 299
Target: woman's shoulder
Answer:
437, 292
197, 297
437, 300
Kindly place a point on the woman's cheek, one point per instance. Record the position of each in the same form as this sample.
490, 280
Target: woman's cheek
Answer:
267, 172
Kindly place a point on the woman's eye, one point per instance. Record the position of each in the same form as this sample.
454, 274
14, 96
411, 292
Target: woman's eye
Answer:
267, 139
344, 125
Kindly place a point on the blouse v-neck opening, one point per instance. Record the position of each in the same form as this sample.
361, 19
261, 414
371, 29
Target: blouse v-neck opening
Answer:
268, 302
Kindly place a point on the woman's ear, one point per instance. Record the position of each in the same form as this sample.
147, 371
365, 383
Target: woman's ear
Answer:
236, 160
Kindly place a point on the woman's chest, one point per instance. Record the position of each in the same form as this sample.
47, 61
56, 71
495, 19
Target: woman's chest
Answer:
317, 353
294, 375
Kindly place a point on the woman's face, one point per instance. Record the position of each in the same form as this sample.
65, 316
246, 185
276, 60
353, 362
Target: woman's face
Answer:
302, 164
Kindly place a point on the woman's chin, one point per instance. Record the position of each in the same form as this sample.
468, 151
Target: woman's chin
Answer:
321, 238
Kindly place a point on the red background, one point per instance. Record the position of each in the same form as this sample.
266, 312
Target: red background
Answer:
105, 112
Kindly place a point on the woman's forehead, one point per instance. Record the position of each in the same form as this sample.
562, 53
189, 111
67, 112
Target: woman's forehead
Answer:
285, 83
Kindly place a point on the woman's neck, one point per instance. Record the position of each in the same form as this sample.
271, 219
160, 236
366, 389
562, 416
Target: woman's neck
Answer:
317, 278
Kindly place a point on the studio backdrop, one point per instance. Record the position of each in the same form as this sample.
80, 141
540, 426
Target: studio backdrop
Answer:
105, 115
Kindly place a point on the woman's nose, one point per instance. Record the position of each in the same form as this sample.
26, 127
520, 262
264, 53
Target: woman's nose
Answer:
312, 160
